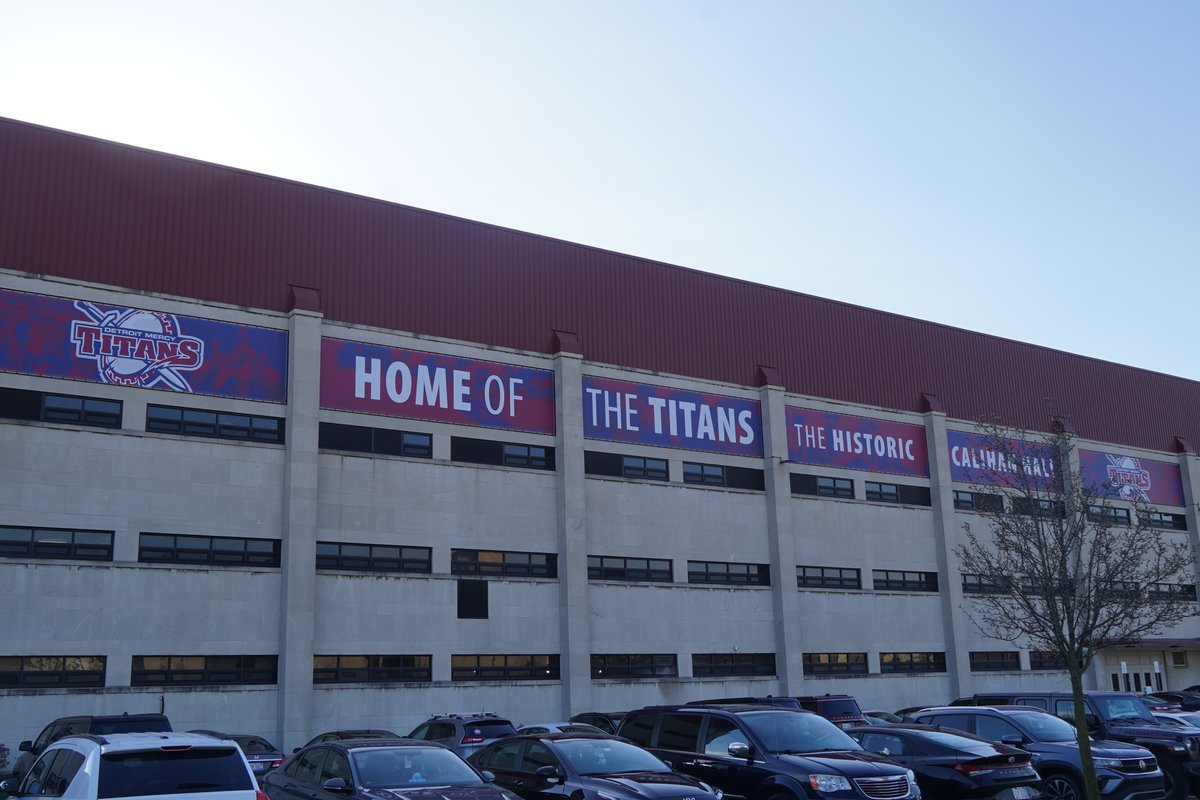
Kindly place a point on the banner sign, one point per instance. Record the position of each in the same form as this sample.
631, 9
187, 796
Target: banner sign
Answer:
59, 338
1133, 479
413, 384
849, 442
974, 459
639, 413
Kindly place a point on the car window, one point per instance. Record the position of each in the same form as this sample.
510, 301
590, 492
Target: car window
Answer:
308, 764
35, 779
62, 772
1035, 702
609, 756
489, 729
796, 732
960, 722
994, 728
537, 755
885, 744
639, 728
420, 732
506, 755
720, 734
441, 730
159, 772
680, 732
1065, 709
336, 766
537, 729
48, 735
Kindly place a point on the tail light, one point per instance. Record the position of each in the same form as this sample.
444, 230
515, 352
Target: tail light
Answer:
975, 769
473, 738
259, 794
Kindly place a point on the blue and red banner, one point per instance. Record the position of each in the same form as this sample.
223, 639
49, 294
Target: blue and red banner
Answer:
1134, 479
394, 382
59, 338
1008, 462
640, 413
826, 439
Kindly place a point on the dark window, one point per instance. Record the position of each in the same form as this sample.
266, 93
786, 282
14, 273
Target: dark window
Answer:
835, 663
504, 668
995, 661
630, 665
883, 492
70, 409
472, 599
616, 568
170, 548
1185, 592
380, 441
719, 475
597, 463
912, 662
706, 474
822, 486
905, 581
680, 732
66, 764
497, 562
82, 545
58, 671
1045, 659
978, 584
729, 573
1035, 507
486, 451
371, 669
1109, 515
141, 773
978, 501
707, 665
203, 670
374, 557
1159, 519
828, 578
650, 469
214, 424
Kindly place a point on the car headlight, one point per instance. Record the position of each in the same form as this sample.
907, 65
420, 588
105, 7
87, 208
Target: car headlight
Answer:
1111, 763
829, 783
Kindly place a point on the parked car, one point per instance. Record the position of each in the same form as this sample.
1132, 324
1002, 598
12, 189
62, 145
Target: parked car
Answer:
1188, 701
261, 754
1122, 717
607, 721
1124, 771
557, 727
1179, 719
840, 709
1156, 702
372, 769
878, 717
574, 765
952, 765
463, 733
342, 735
99, 725
758, 752
175, 766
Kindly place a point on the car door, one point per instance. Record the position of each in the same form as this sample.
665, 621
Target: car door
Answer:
736, 776
538, 756
503, 760
298, 780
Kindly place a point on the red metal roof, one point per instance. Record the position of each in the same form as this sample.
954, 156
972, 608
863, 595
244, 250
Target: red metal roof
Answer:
83, 208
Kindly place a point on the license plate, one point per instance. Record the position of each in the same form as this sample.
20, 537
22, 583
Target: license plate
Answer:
1024, 793
258, 766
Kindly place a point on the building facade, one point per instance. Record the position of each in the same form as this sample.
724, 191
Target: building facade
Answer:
249, 481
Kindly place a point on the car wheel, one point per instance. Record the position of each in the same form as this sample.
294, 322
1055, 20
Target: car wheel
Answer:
1175, 782
1062, 787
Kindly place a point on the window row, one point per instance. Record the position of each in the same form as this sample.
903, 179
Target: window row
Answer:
819, 577
655, 469
833, 664
979, 584
875, 491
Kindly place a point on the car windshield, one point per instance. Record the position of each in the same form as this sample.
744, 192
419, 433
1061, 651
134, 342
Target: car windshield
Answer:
404, 767
490, 729
1192, 719
840, 708
1045, 727
1118, 707
796, 732
608, 756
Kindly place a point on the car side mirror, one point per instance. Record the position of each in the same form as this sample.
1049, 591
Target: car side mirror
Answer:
25, 746
487, 775
670, 764
336, 785
1015, 739
9, 785
549, 774
740, 750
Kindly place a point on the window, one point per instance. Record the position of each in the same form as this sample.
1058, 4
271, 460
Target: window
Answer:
504, 668
66, 765
1158, 519
729, 573
679, 732
708, 665
995, 661
172, 548
835, 663
69, 409
371, 669
380, 441
883, 492
617, 568
905, 581
1045, 659
214, 424
1035, 507
203, 670
977, 584
507, 454
720, 475
912, 662
707, 474
898, 493
472, 599
822, 486
1185, 592
496, 562
58, 671
83, 545
374, 557
622, 466
828, 578
629, 665
1109, 515
978, 501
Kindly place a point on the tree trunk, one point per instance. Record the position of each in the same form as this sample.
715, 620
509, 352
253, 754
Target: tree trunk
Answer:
1090, 785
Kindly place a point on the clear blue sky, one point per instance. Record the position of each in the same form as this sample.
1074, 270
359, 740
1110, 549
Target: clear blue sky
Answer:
1027, 169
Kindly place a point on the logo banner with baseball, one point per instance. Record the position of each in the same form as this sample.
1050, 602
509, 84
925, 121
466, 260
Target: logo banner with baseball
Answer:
394, 382
849, 442
1011, 462
1133, 479
60, 338
621, 411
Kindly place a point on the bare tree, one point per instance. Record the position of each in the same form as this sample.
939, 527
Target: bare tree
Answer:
1065, 566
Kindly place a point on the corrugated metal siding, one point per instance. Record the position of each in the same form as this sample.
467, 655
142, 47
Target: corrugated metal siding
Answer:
81, 208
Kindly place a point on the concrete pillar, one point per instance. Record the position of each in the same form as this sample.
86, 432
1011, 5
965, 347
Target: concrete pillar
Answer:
1189, 472
571, 505
298, 557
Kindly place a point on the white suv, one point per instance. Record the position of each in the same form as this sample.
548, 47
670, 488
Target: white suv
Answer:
170, 766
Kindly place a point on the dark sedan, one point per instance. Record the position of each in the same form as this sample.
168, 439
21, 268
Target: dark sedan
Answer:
378, 769
262, 755
335, 736
585, 767
952, 765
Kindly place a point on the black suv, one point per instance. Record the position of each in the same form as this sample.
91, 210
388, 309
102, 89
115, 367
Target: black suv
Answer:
96, 725
463, 733
840, 709
752, 752
1121, 717
1125, 771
